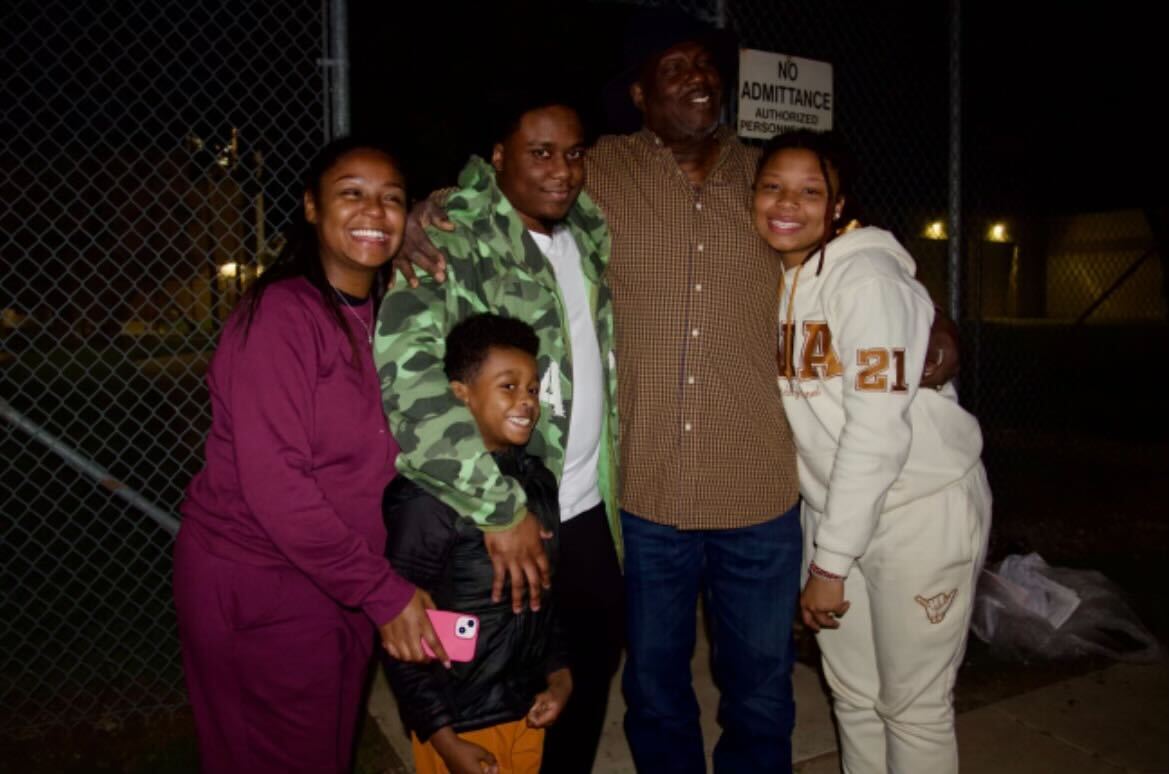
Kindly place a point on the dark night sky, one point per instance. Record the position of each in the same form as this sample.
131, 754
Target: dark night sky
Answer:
1061, 97
1057, 98
420, 70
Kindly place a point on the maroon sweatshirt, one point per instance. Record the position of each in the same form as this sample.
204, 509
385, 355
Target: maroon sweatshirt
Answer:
299, 452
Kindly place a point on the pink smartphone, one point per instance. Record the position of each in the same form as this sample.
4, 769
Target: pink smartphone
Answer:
458, 633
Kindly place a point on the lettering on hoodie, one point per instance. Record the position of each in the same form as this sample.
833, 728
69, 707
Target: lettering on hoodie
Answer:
818, 361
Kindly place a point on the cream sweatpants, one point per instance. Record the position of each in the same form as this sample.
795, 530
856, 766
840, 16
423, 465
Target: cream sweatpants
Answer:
892, 663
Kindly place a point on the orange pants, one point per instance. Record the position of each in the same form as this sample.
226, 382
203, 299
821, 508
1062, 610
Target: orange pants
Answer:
517, 748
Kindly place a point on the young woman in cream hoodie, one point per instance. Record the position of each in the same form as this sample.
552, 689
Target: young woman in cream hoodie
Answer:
896, 505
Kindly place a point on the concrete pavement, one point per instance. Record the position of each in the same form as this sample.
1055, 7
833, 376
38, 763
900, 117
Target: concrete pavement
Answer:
1111, 721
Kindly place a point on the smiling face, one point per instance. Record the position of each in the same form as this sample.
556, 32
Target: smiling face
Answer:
359, 211
791, 203
540, 165
680, 93
503, 396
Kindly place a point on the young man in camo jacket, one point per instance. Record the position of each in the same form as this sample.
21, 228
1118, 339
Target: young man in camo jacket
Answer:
526, 243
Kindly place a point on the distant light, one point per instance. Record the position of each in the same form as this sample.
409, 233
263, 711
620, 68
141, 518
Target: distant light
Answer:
997, 233
935, 230
228, 269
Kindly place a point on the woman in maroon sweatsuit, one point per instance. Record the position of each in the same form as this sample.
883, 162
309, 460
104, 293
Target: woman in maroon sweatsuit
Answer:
280, 579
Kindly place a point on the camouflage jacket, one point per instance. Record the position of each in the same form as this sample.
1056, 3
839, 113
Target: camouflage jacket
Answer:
493, 265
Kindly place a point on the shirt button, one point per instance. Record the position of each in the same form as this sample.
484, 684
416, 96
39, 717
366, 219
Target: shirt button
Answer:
694, 333
700, 246
688, 427
698, 287
690, 380
698, 205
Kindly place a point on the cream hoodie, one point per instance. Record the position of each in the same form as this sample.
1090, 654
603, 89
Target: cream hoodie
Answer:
868, 440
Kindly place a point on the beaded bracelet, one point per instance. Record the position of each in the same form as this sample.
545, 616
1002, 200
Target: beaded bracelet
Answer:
819, 572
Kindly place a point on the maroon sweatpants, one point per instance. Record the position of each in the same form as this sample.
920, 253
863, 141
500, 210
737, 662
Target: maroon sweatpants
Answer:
274, 668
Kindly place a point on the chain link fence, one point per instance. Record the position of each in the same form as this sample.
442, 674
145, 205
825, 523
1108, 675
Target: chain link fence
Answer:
891, 102
1057, 308
151, 152
1059, 297
1051, 300
890, 98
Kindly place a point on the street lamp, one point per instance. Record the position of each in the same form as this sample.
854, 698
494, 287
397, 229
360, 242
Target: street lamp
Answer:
997, 232
935, 230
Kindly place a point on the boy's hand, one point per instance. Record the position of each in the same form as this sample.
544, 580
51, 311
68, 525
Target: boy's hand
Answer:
417, 249
402, 636
518, 554
461, 756
822, 602
550, 703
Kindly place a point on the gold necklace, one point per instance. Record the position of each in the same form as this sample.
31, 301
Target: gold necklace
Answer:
789, 333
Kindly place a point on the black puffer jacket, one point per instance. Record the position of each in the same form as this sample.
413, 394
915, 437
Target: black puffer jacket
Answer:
439, 551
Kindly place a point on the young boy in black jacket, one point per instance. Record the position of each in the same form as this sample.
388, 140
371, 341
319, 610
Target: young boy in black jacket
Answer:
488, 713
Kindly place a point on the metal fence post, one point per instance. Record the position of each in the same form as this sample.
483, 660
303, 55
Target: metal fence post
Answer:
954, 215
954, 182
339, 108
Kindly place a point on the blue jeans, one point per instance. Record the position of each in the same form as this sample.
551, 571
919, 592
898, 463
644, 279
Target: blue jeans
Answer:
750, 580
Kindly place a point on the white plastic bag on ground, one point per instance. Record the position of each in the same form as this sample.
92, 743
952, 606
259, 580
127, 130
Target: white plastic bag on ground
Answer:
1025, 609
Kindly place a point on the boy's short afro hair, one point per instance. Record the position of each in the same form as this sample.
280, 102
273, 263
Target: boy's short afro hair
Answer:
469, 342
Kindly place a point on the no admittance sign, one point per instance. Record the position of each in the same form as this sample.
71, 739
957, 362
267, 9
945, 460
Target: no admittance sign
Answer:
778, 92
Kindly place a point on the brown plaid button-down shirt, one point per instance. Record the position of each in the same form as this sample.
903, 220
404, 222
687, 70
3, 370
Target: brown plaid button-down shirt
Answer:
704, 441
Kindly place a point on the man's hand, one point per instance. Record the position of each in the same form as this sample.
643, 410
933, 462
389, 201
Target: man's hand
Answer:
517, 554
822, 602
942, 358
402, 637
417, 249
461, 756
550, 703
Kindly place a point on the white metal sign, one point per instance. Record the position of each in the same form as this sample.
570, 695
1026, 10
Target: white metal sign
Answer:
778, 92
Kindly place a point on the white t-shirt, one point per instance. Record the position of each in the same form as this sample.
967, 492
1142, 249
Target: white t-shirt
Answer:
578, 486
